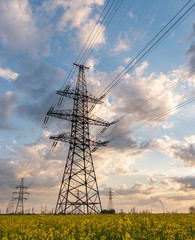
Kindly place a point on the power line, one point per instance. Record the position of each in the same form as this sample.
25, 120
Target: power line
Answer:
135, 61
185, 77
153, 119
143, 56
106, 24
90, 41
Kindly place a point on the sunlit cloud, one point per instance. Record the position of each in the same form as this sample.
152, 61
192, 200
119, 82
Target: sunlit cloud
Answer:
8, 74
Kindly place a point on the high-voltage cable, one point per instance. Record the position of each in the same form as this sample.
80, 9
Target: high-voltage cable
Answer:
98, 34
153, 119
170, 86
135, 61
71, 75
158, 94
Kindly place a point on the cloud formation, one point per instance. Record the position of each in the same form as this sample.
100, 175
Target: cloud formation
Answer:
38, 86
8, 74
187, 183
121, 45
18, 29
77, 15
184, 151
8, 103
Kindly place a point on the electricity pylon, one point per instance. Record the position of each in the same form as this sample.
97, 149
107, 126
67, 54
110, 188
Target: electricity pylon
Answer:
79, 173
20, 197
110, 202
10, 207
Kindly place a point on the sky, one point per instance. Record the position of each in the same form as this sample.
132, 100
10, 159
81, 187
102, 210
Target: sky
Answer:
149, 162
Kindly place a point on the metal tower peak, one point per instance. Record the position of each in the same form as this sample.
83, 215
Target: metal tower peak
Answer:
81, 66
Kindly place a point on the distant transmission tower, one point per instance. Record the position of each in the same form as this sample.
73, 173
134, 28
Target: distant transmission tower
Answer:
20, 197
110, 202
10, 207
79, 189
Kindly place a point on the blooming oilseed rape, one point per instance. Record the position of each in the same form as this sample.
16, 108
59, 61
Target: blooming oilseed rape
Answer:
101, 227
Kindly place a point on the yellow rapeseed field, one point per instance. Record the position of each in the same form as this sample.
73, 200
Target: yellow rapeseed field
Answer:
120, 226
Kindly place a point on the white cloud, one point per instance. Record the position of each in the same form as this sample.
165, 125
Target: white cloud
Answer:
132, 89
131, 14
121, 45
11, 149
113, 161
8, 74
139, 70
46, 133
190, 139
77, 14
138, 90
80, 14
184, 151
127, 60
96, 38
168, 125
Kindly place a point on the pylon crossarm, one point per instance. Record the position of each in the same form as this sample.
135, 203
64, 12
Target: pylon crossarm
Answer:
62, 114
86, 98
66, 137
68, 115
63, 137
94, 120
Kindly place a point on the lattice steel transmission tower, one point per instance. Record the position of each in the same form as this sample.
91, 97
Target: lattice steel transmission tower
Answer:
79, 190
110, 202
20, 197
10, 207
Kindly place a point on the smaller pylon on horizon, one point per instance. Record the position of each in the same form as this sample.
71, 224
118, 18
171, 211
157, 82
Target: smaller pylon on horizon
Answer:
10, 207
33, 210
20, 197
110, 202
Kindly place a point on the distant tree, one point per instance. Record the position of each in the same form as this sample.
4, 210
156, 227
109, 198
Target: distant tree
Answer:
133, 210
121, 211
192, 209
145, 212
105, 211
